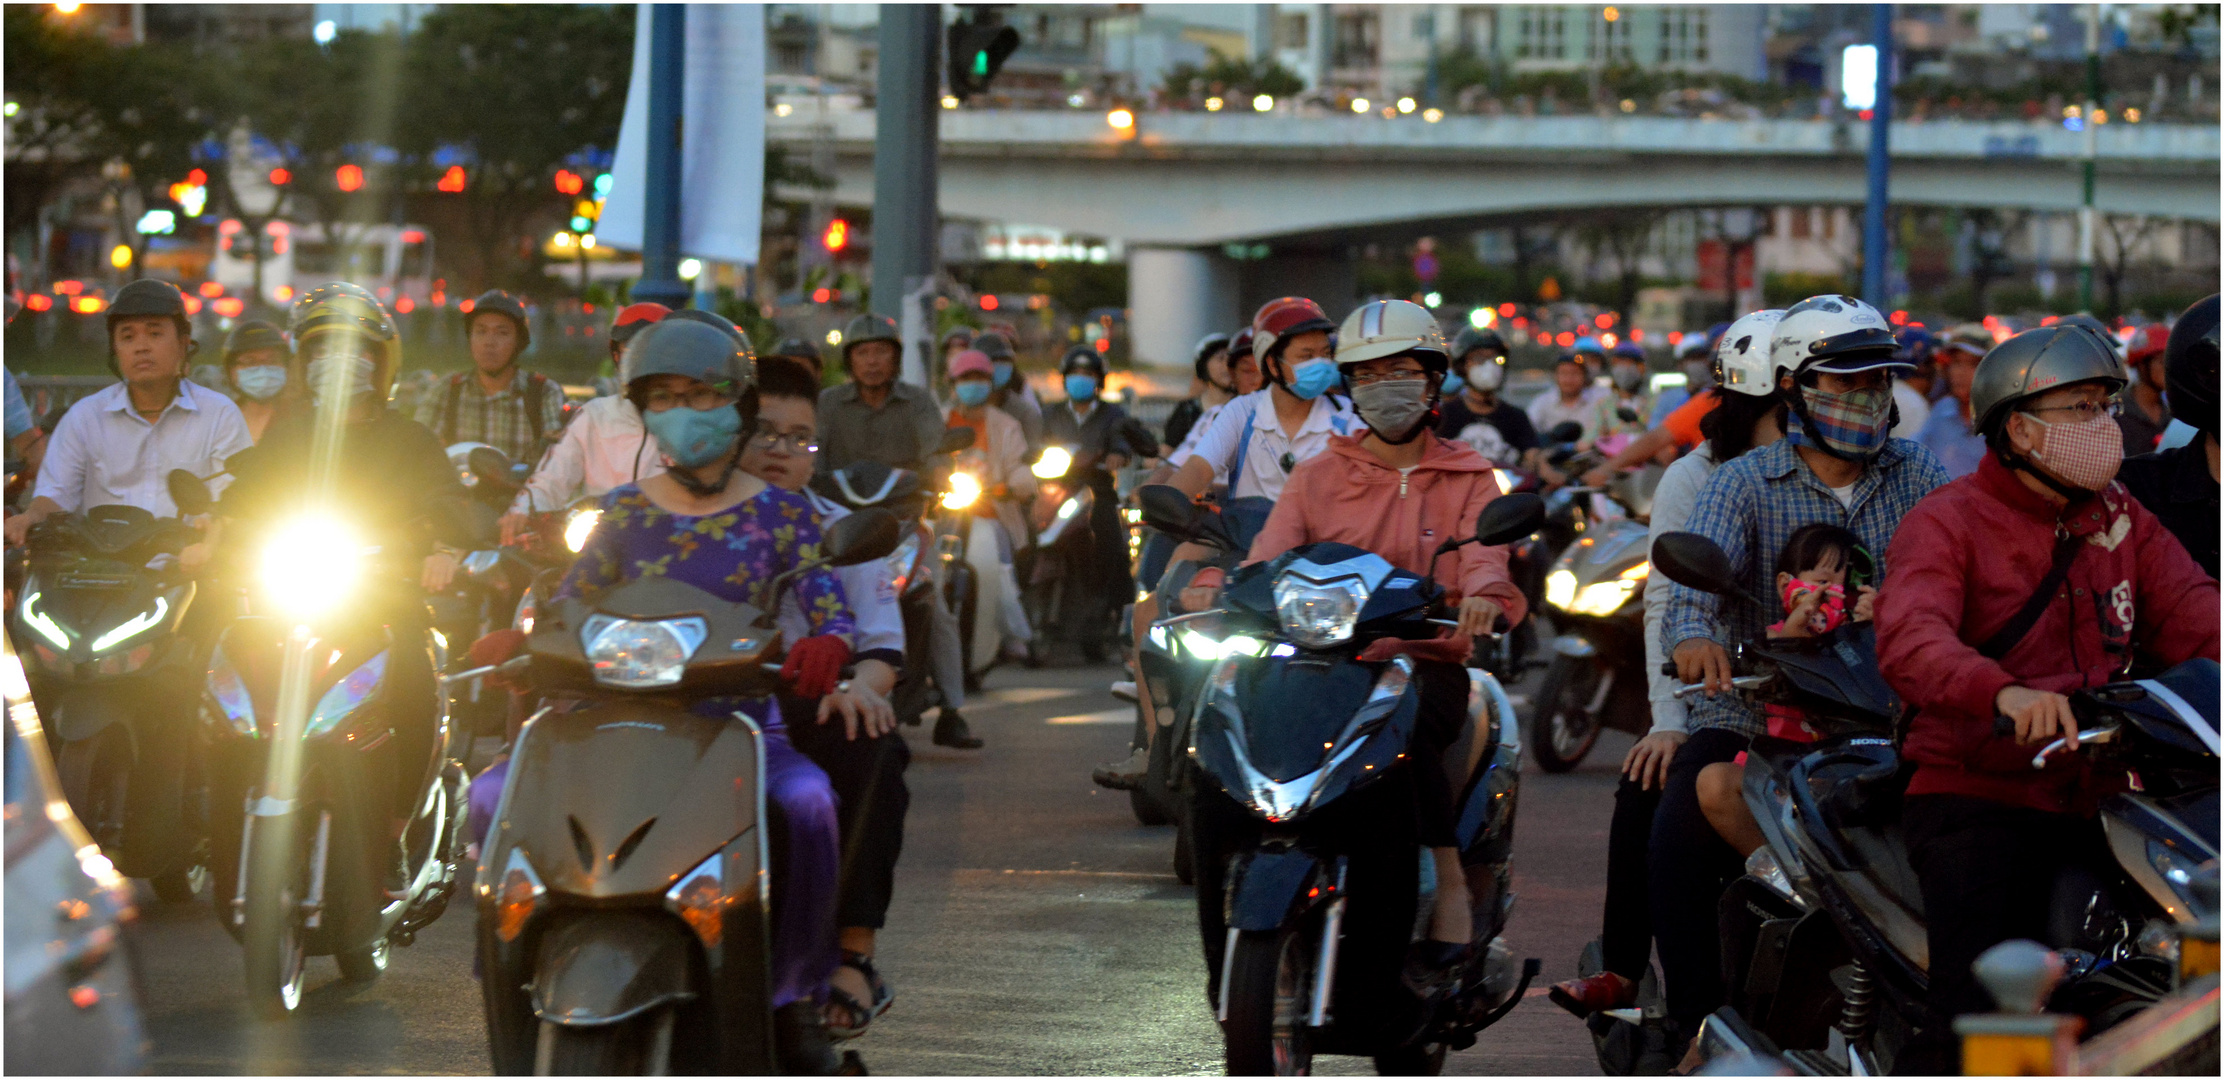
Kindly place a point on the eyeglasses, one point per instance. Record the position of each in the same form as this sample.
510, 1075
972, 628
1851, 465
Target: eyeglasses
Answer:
2087, 411
1369, 378
797, 443
700, 399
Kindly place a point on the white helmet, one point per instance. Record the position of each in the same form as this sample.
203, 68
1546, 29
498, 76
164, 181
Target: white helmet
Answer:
1741, 358
1832, 333
1382, 328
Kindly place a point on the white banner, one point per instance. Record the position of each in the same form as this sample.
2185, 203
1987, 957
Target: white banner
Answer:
722, 137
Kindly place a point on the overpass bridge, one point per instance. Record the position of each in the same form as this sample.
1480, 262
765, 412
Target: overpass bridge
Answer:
1177, 186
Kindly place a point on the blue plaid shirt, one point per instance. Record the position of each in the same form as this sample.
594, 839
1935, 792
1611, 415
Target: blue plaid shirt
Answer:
1751, 506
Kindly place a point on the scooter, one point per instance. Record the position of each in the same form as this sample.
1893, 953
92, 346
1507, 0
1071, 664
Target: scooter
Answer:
490, 580
1300, 733
1827, 926
300, 716
109, 668
623, 920
1595, 595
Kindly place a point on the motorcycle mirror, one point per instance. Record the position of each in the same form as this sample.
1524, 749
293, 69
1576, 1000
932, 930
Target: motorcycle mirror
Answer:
868, 534
190, 492
1566, 431
1167, 509
1626, 414
1508, 518
954, 440
491, 466
1692, 560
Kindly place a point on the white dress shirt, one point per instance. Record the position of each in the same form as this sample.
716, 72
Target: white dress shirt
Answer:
1915, 410
1263, 473
604, 447
104, 453
1547, 411
871, 595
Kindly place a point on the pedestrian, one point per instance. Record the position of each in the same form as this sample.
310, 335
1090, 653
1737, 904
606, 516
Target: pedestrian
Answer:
519, 413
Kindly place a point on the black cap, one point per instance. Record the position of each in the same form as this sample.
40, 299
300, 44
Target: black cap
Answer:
994, 346
498, 302
144, 297
253, 335
798, 349
1081, 356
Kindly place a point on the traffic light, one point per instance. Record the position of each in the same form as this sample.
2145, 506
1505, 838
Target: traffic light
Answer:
836, 237
977, 53
569, 182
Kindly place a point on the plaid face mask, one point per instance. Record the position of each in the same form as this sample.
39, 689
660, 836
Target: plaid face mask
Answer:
1850, 425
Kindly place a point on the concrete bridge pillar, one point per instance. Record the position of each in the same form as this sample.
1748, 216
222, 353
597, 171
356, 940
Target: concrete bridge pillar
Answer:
1175, 296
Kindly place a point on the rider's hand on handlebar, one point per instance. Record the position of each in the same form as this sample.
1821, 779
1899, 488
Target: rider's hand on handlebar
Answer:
1647, 761
192, 557
1478, 616
1699, 660
2039, 716
516, 527
18, 528
440, 571
864, 713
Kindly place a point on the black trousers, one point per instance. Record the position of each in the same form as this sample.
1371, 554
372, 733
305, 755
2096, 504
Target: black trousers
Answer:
1626, 936
1988, 871
871, 801
1689, 865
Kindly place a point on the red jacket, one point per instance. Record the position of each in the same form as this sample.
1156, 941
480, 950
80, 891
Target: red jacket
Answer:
1962, 564
1347, 495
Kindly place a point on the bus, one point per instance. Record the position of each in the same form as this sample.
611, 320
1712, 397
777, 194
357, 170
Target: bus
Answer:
393, 261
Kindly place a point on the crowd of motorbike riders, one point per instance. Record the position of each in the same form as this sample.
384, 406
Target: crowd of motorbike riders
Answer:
1997, 531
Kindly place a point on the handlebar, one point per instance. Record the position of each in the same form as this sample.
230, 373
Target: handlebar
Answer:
1741, 682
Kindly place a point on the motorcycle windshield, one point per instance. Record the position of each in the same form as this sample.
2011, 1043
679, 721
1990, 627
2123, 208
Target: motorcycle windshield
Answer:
2179, 708
1835, 675
1293, 710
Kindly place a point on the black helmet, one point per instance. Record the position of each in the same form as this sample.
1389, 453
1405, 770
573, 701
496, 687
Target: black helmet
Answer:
869, 327
795, 348
993, 345
1082, 356
716, 322
146, 297
1471, 338
253, 335
2191, 366
497, 302
2036, 361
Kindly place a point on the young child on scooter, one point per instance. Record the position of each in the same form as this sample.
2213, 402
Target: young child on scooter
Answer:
1819, 565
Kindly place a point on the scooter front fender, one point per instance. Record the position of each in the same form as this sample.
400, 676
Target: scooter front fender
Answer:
88, 711
606, 967
1269, 889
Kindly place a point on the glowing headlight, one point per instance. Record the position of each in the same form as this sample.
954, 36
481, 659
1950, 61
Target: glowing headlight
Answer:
1318, 615
1638, 572
965, 490
347, 695
1069, 508
132, 627
311, 565
1054, 463
1505, 479
1559, 588
1602, 597
1205, 648
44, 624
579, 526
638, 655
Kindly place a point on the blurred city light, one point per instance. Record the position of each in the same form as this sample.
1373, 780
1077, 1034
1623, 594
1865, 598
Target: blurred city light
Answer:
1433, 115
156, 222
120, 256
1212, 104
949, 101
603, 184
1611, 14
783, 109
587, 241
1262, 103
349, 177
325, 32
836, 237
212, 289
452, 180
404, 306
690, 269
1406, 104
561, 239
1858, 76
88, 305
833, 337
68, 9
10, 108
1482, 318
1120, 119
68, 288
1434, 299
821, 295
230, 307
280, 177
284, 293
1359, 105
569, 182
38, 301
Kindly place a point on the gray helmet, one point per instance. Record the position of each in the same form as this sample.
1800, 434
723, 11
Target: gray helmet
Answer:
690, 347
869, 327
993, 345
150, 297
2036, 361
1471, 338
719, 323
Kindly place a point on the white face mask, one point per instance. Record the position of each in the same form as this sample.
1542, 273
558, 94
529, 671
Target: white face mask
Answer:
352, 379
1487, 375
260, 382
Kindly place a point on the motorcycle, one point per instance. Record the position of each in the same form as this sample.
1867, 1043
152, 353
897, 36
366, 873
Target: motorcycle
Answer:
490, 581
1062, 590
622, 901
1827, 925
107, 663
300, 716
1300, 733
1595, 595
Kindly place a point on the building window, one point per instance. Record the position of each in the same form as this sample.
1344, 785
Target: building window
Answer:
1541, 32
1290, 31
1424, 27
1475, 26
1803, 222
1358, 39
1611, 39
1683, 35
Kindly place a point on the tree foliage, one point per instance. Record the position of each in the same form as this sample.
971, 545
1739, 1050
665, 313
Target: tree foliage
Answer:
1223, 76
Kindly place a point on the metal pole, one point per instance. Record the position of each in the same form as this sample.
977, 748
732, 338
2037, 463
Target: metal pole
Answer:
2086, 222
906, 218
1874, 253
660, 215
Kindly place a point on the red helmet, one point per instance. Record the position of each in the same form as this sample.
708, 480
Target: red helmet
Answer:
1280, 320
1239, 345
2147, 342
632, 318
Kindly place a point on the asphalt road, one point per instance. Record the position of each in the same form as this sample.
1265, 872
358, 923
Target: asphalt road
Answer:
1037, 929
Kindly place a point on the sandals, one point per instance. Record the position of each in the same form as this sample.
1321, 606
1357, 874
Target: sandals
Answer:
847, 1017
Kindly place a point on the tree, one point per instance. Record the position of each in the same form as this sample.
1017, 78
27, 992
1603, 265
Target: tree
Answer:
2126, 234
512, 93
1224, 76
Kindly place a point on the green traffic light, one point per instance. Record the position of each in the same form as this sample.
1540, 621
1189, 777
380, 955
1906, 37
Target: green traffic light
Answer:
980, 63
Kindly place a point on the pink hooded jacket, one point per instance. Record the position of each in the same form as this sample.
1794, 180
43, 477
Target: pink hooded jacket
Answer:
1348, 496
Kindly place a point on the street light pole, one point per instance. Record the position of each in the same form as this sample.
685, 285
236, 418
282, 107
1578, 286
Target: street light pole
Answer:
1874, 245
660, 215
2086, 224
906, 218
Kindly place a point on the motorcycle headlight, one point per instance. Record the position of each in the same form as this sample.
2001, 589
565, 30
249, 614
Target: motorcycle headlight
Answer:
1054, 463
1505, 479
1559, 588
1602, 597
133, 626
347, 695
311, 565
43, 623
1639, 572
638, 655
1319, 614
579, 526
965, 490
1205, 648
1068, 508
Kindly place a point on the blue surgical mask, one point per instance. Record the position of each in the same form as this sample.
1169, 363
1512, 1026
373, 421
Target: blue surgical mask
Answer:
1453, 384
1003, 372
694, 437
972, 392
1313, 378
261, 382
1081, 388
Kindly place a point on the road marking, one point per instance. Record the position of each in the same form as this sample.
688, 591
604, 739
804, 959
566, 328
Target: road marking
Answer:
1029, 695
1079, 873
1125, 714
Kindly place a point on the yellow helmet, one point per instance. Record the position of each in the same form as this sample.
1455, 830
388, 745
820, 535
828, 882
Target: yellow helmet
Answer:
342, 308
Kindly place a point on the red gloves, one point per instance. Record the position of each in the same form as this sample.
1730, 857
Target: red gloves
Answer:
814, 665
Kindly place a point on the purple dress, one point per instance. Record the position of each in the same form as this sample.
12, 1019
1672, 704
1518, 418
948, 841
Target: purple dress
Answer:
735, 555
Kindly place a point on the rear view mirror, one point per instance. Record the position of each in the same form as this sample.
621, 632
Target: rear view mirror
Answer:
190, 493
492, 467
1566, 431
1168, 510
1508, 518
868, 534
954, 440
1694, 561
1626, 414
